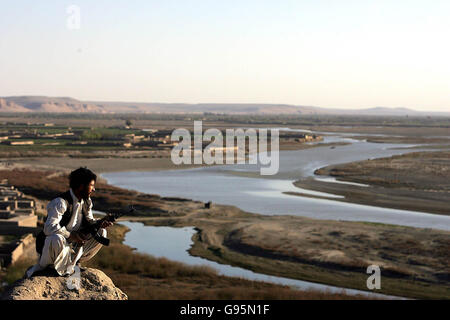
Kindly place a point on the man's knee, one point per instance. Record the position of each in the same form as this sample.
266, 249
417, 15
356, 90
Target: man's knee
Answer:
54, 246
56, 240
92, 247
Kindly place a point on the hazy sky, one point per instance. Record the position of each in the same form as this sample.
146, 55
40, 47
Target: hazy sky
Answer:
353, 54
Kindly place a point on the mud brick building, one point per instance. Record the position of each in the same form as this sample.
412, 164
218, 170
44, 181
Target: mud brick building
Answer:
18, 223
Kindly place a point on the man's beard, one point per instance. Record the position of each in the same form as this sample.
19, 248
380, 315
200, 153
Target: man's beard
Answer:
85, 195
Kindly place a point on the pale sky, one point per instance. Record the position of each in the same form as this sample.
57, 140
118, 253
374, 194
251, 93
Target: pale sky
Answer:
346, 54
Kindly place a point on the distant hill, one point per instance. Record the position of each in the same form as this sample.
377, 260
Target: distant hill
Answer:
66, 104
9, 106
46, 104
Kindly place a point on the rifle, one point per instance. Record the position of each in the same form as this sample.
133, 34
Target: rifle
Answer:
93, 229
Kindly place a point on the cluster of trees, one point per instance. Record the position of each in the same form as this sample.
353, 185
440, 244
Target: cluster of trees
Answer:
91, 135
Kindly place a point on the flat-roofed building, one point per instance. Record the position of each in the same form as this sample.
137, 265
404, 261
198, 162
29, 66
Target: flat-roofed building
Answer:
5, 213
11, 193
21, 143
24, 212
18, 224
16, 211
11, 251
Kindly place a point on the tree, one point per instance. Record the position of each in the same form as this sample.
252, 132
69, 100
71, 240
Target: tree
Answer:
128, 123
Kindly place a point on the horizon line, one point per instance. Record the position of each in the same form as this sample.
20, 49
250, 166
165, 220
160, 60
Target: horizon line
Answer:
229, 103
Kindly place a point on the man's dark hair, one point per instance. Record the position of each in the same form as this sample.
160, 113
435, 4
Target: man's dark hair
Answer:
81, 176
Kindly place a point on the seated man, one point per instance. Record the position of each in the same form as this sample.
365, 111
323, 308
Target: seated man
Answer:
64, 246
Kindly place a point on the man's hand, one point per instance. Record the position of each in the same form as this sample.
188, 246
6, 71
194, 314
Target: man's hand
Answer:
106, 224
76, 237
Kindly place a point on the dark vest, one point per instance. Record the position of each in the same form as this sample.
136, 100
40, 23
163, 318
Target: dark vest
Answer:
67, 215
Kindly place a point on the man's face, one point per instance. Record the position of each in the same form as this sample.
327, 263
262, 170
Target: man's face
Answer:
88, 189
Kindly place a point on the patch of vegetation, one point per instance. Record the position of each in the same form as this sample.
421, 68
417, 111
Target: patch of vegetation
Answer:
15, 271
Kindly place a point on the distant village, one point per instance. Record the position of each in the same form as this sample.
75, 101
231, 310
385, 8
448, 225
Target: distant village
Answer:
48, 135
18, 224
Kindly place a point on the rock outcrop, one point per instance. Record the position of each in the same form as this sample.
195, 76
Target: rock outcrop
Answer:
92, 284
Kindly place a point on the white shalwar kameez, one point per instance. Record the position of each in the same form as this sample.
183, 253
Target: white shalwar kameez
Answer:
57, 251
